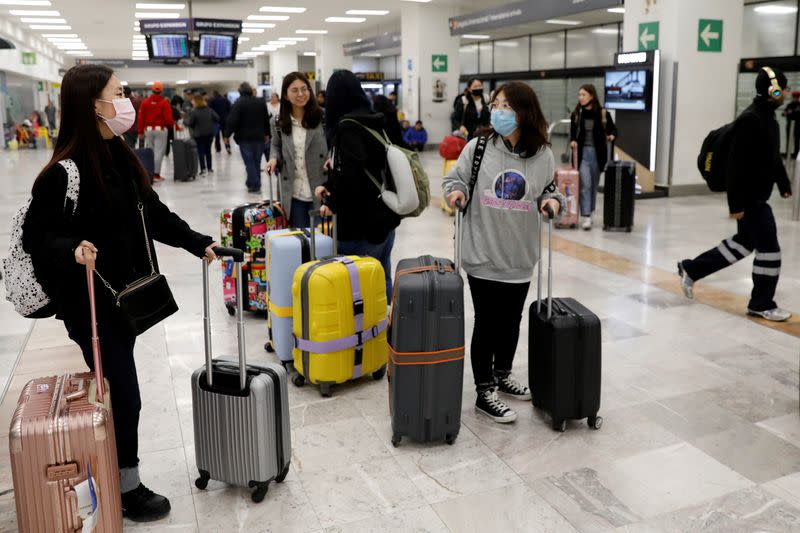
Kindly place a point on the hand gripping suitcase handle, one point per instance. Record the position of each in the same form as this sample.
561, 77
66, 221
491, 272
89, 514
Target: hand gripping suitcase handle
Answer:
98, 360
238, 258
313, 215
550, 216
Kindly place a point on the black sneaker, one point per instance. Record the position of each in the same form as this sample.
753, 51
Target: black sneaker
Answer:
490, 405
143, 505
513, 388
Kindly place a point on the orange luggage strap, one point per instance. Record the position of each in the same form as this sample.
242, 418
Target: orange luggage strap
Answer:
426, 358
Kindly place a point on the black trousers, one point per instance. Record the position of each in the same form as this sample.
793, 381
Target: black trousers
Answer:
756, 231
119, 368
498, 313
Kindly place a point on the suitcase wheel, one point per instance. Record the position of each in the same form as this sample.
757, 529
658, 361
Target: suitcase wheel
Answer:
232, 311
325, 390
202, 482
595, 422
268, 347
396, 440
283, 474
298, 380
560, 425
261, 490
378, 374
450, 439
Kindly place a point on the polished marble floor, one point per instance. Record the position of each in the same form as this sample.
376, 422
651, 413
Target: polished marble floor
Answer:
701, 433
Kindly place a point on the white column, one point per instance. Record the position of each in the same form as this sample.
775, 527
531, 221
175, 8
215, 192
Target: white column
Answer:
426, 32
330, 57
698, 89
281, 63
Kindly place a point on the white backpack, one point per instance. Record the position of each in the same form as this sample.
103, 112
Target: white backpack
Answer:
23, 290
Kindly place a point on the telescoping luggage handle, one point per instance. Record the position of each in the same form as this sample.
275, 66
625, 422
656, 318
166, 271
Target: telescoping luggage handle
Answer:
238, 257
313, 215
550, 216
458, 236
100, 384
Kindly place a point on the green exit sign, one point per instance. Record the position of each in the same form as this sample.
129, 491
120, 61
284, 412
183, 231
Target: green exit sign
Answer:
28, 58
439, 63
648, 36
709, 35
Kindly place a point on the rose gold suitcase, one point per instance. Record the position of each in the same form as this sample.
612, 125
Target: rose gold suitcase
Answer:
568, 182
63, 428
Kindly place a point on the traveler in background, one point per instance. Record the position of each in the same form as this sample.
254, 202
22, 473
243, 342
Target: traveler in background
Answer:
186, 103
274, 105
298, 149
221, 106
176, 102
321, 99
248, 122
391, 125
500, 233
754, 168
404, 127
365, 224
202, 122
792, 114
471, 110
155, 118
132, 135
105, 231
416, 137
592, 127
50, 112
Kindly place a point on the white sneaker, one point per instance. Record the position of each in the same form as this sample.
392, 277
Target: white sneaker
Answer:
586, 223
773, 315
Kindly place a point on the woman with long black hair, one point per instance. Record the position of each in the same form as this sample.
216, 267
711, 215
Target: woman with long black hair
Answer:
471, 110
107, 231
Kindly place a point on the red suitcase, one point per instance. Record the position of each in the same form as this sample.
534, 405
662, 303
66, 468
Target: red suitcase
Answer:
61, 430
568, 182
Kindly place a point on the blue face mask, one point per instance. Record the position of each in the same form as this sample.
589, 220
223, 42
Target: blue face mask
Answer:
504, 121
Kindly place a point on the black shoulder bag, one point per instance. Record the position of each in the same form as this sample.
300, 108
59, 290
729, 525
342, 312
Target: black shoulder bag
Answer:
148, 300
477, 159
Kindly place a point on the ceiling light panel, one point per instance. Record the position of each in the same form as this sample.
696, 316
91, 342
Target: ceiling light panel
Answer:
276, 18
43, 20
481, 37
33, 13
302, 39
563, 22
775, 10
620, 10
273, 9
257, 25
252, 30
31, 3
310, 54
351, 20
311, 32
49, 27
368, 12
146, 15
160, 6
79, 53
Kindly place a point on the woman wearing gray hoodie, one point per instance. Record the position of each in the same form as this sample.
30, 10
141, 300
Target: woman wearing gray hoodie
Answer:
501, 228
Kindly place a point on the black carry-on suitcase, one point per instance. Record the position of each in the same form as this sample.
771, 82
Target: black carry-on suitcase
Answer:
426, 348
619, 195
564, 354
185, 159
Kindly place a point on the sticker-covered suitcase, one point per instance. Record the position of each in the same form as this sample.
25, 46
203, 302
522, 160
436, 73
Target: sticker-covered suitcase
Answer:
62, 433
240, 411
564, 355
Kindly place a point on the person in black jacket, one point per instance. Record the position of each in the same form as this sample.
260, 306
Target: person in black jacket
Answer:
248, 122
391, 125
106, 231
754, 168
221, 106
471, 110
365, 224
592, 127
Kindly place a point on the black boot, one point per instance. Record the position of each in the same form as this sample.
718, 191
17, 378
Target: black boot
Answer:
143, 505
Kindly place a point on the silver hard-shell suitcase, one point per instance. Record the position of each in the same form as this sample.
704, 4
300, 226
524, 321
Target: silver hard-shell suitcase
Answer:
241, 411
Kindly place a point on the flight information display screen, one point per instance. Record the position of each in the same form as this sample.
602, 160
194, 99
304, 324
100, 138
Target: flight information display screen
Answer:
170, 46
213, 46
627, 89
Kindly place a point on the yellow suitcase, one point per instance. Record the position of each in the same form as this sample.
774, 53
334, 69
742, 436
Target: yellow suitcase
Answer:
340, 320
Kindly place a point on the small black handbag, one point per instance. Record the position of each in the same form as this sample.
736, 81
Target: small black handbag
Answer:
148, 300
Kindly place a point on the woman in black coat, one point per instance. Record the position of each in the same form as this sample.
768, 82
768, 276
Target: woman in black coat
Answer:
592, 127
471, 110
106, 230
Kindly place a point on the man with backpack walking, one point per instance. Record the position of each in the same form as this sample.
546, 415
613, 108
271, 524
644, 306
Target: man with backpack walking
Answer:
747, 154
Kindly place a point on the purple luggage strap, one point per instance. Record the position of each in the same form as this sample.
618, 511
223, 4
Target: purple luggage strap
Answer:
360, 337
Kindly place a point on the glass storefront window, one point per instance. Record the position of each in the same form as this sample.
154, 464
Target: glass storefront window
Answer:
511, 55
547, 51
592, 47
468, 58
485, 58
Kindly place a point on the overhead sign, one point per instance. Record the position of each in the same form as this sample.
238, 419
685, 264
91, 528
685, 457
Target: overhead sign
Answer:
370, 76
379, 42
218, 25
132, 63
522, 12
185, 25
162, 25
439, 63
648, 36
709, 35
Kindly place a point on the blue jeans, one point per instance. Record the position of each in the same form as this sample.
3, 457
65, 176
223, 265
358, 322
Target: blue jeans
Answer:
590, 178
298, 216
382, 252
251, 154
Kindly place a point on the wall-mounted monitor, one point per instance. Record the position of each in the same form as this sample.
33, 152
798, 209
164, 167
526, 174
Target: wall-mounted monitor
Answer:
217, 47
169, 46
627, 89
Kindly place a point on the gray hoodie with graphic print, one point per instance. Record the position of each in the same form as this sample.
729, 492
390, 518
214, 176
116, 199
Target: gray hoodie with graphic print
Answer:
501, 226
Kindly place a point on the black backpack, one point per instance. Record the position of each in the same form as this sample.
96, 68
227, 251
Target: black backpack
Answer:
713, 159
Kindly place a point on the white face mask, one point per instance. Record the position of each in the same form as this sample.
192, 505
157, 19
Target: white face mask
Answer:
125, 117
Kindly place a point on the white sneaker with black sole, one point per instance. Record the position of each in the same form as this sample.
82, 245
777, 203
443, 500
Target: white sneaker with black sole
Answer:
512, 388
488, 404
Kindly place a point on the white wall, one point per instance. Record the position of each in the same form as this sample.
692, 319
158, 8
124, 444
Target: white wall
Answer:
48, 59
281, 63
227, 76
366, 64
330, 56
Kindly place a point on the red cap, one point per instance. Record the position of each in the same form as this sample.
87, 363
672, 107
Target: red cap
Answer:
795, 93
158, 87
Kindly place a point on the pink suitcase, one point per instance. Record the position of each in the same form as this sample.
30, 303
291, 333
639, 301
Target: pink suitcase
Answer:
568, 182
62, 429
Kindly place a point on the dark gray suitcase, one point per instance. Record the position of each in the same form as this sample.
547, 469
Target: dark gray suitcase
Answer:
185, 159
564, 355
619, 194
426, 348
241, 412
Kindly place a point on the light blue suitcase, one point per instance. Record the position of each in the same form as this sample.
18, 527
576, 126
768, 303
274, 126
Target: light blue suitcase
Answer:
287, 249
